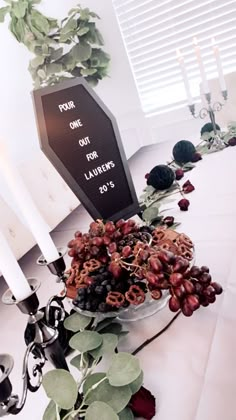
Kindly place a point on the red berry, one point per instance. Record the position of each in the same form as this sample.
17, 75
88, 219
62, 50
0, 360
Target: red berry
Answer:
71, 243
115, 269
151, 278
176, 279
155, 264
106, 240
193, 302
115, 256
103, 259
205, 278
209, 291
112, 247
110, 227
174, 304
94, 250
195, 271
144, 255
120, 223
78, 234
179, 292
211, 299
205, 269
189, 287
97, 241
126, 251
218, 288
131, 223
187, 311
72, 253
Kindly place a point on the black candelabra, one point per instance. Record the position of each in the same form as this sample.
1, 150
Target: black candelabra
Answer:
209, 111
45, 343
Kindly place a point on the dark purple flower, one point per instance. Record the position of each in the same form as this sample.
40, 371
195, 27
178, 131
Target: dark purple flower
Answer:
169, 220
188, 187
143, 404
196, 157
146, 176
179, 173
232, 142
183, 204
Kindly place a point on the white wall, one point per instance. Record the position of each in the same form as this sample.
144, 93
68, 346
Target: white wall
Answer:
18, 128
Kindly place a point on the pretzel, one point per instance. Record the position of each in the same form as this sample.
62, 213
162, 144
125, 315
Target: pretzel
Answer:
168, 245
135, 295
156, 294
115, 299
92, 265
158, 234
72, 275
185, 240
185, 252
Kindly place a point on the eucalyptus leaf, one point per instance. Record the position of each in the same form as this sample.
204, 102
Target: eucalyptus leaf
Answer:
126, 414
82, 31
91, 380
40, 22
100, 410
80, 364
88, 72
92, 80
19, 9
113, 328
77, 322
109, 343
85, 341
50, 412
136, 385
61, 387
41, 73
20, 29
34, 30
84, 14
116, 397
3, 12
124, 369
53, 68
104, 323
81, 51
37, 61
150, 213
69, 27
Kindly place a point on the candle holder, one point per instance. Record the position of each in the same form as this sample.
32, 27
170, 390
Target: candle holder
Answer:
210, 111
44, 346
56, 267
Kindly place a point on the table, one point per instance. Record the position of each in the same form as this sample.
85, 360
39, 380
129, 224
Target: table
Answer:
190, 368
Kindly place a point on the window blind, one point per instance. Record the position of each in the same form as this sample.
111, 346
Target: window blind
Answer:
152, 31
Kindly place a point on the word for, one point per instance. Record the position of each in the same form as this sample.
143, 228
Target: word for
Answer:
106, 187
75, 124
66, 106
84, 142
92, 156
99, 170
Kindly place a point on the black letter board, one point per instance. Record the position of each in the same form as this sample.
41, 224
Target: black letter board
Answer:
80, 137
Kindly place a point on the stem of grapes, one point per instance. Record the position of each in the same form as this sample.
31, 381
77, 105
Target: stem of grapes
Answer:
149, 340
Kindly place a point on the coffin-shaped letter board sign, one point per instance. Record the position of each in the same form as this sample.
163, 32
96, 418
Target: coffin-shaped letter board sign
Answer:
80, 137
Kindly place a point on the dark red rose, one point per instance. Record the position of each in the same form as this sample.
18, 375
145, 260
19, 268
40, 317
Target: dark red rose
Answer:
183, 204
143, 404
169, 220
232, 142
146, 176
179, 173
196, 157
188, 187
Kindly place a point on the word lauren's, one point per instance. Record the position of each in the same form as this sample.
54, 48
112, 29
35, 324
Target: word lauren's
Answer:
99, 170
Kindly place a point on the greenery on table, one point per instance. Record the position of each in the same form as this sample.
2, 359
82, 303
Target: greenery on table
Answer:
102, 395
62, 50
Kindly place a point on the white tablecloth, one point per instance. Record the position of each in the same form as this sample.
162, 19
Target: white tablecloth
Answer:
191, 368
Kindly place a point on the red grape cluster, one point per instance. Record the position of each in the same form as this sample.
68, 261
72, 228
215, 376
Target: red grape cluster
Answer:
192, 289
130, 266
